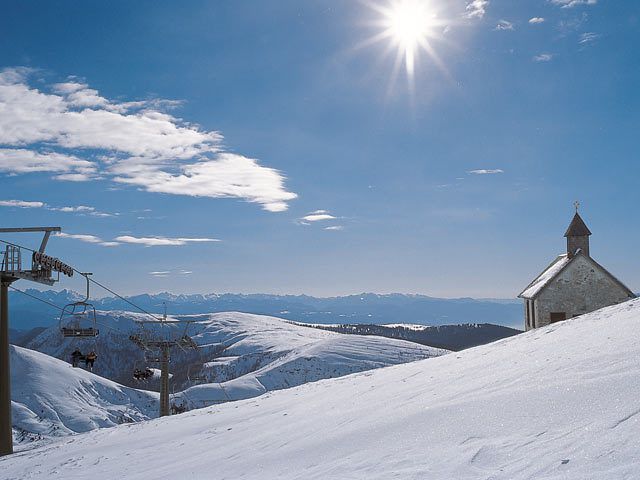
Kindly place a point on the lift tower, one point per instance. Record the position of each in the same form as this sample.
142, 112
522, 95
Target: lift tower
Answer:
39, 269
157, 349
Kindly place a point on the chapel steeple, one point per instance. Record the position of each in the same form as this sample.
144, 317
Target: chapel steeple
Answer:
577, 235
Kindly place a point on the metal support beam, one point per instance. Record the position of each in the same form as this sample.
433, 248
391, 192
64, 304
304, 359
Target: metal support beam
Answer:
30, 229
164, 382
6, 435
11, 269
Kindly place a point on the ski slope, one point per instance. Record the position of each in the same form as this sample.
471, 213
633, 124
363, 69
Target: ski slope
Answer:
559, 402
50, 398
240, 355
263, 353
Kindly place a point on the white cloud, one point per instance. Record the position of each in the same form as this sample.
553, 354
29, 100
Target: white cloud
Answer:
146, 241
161, 274
21, 204
485, 171
89, 137
230, 175
87, 239
167, 273
318, 216
476, 9
504, 25
29, 161
162, 241
79, 208
83, 210
536, 20
543, 57
573, 3
334, 227
588, 38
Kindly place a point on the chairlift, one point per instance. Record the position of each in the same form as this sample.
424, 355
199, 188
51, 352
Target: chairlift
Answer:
142, 374
78, 319
195, 378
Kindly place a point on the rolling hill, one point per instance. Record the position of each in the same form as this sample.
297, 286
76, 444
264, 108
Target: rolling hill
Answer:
558, 402
240, 355
51, 399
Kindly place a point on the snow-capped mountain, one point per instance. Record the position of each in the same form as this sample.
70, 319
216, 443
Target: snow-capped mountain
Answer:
558, 402
50, 398
362, 308
239, 356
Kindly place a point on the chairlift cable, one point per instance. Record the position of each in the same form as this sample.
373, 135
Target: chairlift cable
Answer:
35, 298
91, 280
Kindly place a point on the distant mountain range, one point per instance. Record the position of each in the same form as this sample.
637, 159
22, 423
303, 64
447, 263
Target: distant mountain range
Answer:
369, 308
449, 337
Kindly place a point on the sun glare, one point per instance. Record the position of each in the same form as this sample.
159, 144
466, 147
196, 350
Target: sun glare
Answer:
410, 27
408, 24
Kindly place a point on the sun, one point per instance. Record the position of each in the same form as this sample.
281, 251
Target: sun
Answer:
409, 23
410, 27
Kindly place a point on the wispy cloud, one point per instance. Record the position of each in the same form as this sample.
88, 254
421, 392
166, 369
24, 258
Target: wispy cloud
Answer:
573, 3
543, 57
21, 204
20, 160
83, 210
87, 239
334, 227
168, 273
536, 20
160, 274
90, 137
162, 241
146, 241
79, 209
485, 171
317, 216
588, 38
476, 9
504, 25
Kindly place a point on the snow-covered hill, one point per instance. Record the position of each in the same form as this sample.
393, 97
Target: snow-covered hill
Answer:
50, 398
559, 402
240, 355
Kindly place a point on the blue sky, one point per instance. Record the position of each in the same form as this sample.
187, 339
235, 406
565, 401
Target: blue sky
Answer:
197, 136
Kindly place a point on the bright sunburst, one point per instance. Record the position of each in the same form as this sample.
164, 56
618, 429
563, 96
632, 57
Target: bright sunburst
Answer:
409, 23
410, 27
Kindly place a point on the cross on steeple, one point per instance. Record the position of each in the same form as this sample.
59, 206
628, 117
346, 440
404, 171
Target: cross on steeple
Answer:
577, 235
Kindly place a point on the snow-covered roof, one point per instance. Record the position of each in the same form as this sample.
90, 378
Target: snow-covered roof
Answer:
546, 276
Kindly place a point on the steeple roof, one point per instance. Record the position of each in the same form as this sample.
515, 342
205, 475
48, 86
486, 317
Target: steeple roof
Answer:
577, 227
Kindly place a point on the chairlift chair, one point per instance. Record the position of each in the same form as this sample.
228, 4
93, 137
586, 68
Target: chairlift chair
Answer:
195, 378
78, 319
142, 374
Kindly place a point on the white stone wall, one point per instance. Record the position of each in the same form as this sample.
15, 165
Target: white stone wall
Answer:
581, 288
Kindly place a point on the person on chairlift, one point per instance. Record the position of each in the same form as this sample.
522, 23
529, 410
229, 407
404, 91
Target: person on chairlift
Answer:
75, 357
89, 359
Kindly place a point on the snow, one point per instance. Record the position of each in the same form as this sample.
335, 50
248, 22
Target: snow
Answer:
244, 354
409, 326
558, 402
545, 277
328, 356
50, 398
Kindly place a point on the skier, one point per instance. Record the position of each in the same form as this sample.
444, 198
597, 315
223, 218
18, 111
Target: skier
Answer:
75, 357
89, 359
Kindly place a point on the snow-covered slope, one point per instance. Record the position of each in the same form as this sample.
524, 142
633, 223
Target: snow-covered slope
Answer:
240, 355
50, 398
559, 402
